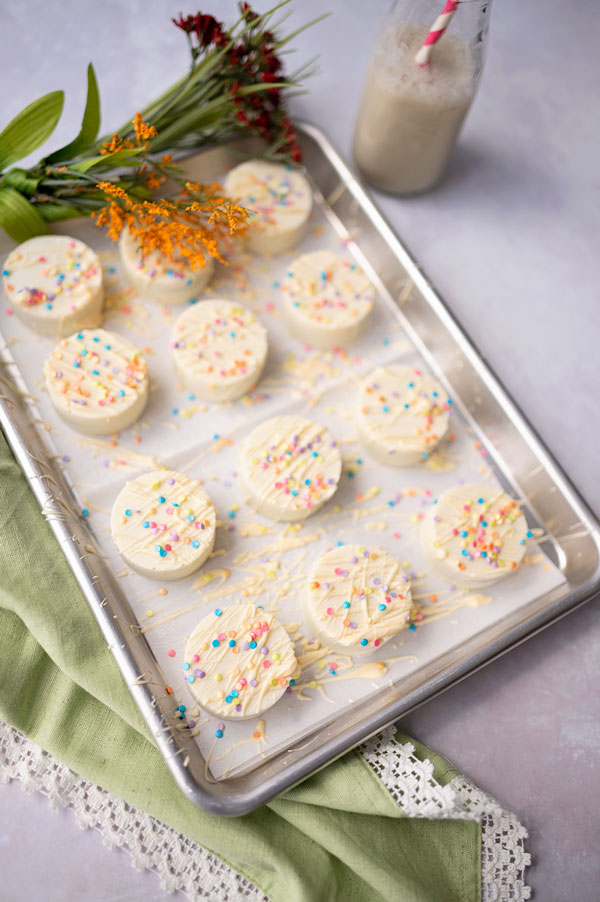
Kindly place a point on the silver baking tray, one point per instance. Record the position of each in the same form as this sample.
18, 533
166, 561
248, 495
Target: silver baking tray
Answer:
514, 452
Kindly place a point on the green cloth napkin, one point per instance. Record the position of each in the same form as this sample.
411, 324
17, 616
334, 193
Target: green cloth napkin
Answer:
338, 837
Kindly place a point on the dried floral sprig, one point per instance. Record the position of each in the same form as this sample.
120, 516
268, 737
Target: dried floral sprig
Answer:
235, 86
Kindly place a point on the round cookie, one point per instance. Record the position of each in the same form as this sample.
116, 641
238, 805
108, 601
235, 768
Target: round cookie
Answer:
97, 382
54, 284
402, 415
473, 535
326, 300
239, 661
219, 348
160, 279
357, 599
290, 466
281, 200
163, 524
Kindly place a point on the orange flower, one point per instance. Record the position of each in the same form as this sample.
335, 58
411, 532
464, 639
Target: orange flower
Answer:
143, 131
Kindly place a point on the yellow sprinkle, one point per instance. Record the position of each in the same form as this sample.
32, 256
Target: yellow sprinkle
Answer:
156, 484
276, 656
273, 682
271, 574
313, 684
149, 613
321, 665
218, 677
163, 592
406, 565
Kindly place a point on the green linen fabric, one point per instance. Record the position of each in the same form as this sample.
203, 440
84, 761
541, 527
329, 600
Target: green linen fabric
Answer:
338, 837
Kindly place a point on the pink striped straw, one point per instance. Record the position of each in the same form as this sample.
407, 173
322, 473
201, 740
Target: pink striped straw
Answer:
439, 27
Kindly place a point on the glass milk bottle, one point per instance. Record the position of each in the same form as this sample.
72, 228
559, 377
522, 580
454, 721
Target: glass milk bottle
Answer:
422, 77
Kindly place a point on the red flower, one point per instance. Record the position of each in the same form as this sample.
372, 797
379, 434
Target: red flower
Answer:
246, 10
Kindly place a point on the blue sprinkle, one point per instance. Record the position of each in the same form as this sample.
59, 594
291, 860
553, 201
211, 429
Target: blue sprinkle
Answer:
146, 524
364, 641
215, 643
345, 604
529, 534
218, 733
85, 512
253, 644
231, 643
161, 499
121, 393
162, 552
412, 627
228, 699
218, 612
128, 513
186, 666
195, 544
381, 607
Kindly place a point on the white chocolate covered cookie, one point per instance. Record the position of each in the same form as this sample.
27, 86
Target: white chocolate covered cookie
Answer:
219, 349
160, 279
54, 284
473, 535
97, 382
357, 598
290, 466
281, 200
239, 661
402, 415
326, 300
163, 524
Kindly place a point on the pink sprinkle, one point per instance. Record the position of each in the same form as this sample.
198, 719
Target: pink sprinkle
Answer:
330, 611
195, 658
266, 663
221, 637
418, 616
375, 642
171, 652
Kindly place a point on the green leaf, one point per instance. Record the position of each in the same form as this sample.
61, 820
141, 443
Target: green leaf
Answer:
18, 217
108, 160
21, 180
30, 128
90, 124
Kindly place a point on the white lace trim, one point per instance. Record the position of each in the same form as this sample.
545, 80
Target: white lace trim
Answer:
183, 865
411, 783
178, 861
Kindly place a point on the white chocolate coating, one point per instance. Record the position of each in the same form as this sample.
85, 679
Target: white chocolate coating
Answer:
402, 415
474, 535
357, 598
281, 200
290, 466
326, 300
54, 284
160, 279
97, 382
219, 349
163, 524
239, 662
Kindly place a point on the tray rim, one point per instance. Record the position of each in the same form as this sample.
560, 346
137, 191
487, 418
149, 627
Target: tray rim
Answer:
135, 659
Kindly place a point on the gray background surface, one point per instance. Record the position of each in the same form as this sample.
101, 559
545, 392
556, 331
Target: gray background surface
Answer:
511, 242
